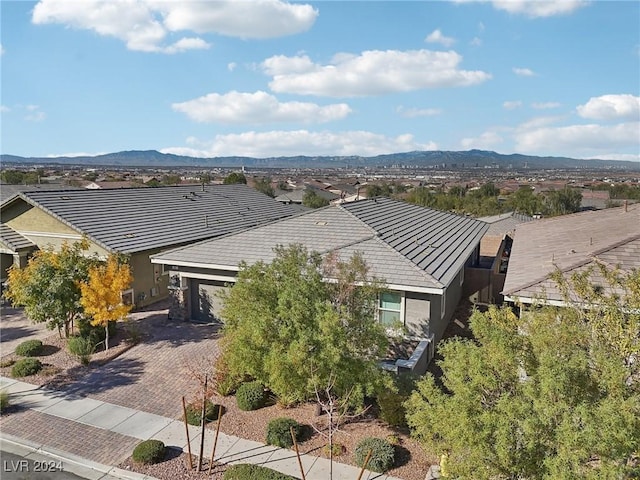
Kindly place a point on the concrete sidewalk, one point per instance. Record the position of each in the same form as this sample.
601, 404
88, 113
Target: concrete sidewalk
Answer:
142, 425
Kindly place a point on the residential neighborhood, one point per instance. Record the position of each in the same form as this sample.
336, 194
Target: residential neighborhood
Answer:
187, 246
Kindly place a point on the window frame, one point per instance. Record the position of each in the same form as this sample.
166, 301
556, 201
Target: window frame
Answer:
401, 311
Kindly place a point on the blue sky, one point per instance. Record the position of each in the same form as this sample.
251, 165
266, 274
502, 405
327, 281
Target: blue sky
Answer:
270, 78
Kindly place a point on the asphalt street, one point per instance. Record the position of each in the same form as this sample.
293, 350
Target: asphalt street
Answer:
16, 467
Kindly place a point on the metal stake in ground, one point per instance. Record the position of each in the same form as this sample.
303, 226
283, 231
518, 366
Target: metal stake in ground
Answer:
295, 444
186, 427
202, 419
364, 465
215, 440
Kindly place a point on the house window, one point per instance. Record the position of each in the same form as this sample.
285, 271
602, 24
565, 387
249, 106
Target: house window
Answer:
390, 309
127, 296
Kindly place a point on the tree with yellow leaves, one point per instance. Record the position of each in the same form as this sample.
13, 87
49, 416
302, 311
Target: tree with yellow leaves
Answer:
101, 294
47, 287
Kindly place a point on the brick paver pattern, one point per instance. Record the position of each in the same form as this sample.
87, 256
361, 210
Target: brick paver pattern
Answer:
99, 445
154, 375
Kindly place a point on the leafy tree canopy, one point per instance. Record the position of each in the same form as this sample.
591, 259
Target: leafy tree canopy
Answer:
288, 328
554, 394
263, 185
48, 287
235, 178
101, 293
312, 200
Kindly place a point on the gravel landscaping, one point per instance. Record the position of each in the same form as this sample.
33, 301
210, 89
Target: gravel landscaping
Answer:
163, 366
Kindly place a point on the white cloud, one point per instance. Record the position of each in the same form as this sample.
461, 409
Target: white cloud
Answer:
4, 109
610, 107
437, 37
75, 154
303, 142
144, 25
545, 105
373, 72
535, 8
488, 140
512, 104
2, 50
232, 66
475, 42
583, 140
257, 108
185, 44
418, 112
32, 108
36, 116
523, 72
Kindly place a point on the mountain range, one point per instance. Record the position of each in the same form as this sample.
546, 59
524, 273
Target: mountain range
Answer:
418, 159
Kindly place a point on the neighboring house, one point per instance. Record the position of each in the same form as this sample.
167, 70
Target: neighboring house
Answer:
499, 227
420, 253
8, 191
570, 243
297, 196
137, 222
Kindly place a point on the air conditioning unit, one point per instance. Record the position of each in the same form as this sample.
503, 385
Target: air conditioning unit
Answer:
154, 292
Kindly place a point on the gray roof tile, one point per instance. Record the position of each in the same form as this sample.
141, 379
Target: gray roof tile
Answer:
137, 219
569, 242
403, 243
13, 240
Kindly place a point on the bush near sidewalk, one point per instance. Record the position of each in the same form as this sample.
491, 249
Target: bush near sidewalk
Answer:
245, 471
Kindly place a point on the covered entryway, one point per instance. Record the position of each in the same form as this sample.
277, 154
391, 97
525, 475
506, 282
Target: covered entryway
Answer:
206, 303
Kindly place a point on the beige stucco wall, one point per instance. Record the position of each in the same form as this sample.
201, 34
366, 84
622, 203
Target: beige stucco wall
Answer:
149, 284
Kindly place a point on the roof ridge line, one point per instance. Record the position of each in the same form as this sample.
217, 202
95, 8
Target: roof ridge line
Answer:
590, 257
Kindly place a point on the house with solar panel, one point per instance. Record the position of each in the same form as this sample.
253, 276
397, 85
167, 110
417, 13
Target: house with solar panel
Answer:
420, 254
137, 222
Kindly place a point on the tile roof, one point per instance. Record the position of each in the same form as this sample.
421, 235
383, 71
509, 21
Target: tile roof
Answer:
436, 241
8, 191
13, 240
404, 244
504, 223
131, 220
570, 242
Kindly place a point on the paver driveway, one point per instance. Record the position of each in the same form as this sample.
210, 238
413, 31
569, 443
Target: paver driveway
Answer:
15, 328
155, 374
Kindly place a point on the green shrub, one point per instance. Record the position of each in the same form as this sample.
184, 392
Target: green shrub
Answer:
194, 412
25, 367
29, 348
7, 363
148, 452
382, 454
392, 409
81, 347
336, 449
278, 433
95, 333
391, 401
250, 396
4, 401
245, 471
227, 385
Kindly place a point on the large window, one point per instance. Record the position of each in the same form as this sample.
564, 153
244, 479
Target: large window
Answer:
390, 309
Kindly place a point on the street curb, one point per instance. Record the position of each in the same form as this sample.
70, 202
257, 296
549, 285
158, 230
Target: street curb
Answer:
108, 472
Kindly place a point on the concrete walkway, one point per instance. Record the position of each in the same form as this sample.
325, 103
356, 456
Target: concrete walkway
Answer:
136, 424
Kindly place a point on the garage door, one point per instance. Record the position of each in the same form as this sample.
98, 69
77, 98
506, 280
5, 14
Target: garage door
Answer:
205, 302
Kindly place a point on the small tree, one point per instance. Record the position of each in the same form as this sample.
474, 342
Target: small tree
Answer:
101, 293
288, 328
235, 178
263, 185
48, 287
554, 393
312, 200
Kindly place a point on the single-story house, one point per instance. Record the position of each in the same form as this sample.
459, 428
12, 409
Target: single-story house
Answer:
137, 222
570, 243
499, 227
420, 253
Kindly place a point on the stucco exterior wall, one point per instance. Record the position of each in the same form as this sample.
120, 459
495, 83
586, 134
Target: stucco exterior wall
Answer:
417, 312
